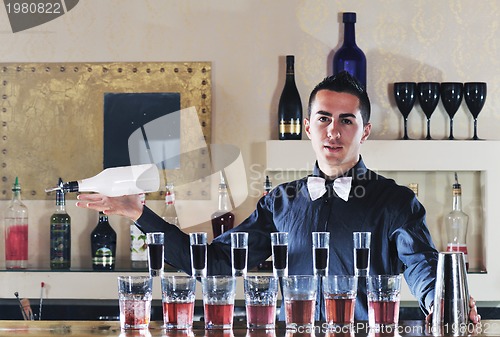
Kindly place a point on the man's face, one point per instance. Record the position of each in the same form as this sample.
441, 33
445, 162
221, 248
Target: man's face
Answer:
336, 130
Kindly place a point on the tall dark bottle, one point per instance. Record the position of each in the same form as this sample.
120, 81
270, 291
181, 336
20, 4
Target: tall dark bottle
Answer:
103, 245
290, 106
60, 234
350, 57
223, 219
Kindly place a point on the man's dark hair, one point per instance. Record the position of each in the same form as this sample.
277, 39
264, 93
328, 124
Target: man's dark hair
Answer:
344, 82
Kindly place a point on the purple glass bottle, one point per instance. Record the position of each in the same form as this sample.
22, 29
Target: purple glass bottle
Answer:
349, 57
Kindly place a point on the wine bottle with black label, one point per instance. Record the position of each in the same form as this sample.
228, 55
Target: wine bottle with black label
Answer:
290, 106
103, 244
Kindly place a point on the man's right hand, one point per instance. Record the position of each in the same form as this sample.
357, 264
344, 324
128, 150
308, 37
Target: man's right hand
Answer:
129, 206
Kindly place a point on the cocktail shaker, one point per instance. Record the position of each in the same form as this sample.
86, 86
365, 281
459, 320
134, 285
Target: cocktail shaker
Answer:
451, 299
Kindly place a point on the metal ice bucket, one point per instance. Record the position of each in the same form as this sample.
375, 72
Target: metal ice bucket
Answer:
451, 298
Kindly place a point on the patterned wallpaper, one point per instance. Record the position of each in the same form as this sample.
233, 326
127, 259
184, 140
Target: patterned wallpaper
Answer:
247, 40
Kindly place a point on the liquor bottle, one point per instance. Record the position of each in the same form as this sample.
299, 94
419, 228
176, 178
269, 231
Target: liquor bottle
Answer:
222, 219
117, 181
290, 106
456, 224
267, 186
60, 234
16, 231
138, 245
169, 214
103, 245
350, 57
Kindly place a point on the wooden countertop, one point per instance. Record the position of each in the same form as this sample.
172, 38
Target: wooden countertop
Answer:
112, 328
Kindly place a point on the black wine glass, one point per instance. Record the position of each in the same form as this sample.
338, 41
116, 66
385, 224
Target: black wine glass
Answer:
451, 96
404, 94
428, 97
475, 96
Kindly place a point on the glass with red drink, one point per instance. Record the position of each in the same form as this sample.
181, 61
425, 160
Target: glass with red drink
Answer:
260, 301
299, 292
134, 294
218, 301
178, 296
383, 293
340, 299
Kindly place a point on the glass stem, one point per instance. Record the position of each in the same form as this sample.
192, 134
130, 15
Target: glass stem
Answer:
475, 130
451, 129
428, 129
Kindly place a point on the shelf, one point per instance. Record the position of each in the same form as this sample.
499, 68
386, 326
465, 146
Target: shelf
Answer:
393, 155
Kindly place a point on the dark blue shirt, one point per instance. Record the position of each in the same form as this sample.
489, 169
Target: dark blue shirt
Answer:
400, 240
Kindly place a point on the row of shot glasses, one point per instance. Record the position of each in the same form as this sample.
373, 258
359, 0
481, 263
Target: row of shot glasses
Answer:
299, 291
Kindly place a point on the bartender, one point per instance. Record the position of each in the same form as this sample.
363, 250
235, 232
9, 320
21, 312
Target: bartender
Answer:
338, 123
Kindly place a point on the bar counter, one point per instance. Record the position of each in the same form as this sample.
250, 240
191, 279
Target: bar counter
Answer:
112, 328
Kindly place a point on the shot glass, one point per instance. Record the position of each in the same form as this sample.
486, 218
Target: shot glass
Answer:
178, 296
299, 293
239, 253
135, 294
218, 301
361, 253
383, 292
198, 254
279, 244
155, 253
339, 292
321, 244
260, 301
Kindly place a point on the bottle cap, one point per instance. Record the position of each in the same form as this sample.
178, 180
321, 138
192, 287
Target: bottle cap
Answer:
349, 17
16, 186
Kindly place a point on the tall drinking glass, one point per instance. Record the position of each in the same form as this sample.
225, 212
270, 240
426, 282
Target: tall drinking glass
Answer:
340, 299
135, 295
321, 244
178, 296
299, 292
155, 253
198, 254
361, 253
218, 301
239, 253
383, 292
279, 243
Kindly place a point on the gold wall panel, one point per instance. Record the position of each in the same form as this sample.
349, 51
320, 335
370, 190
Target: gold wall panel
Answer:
52, 119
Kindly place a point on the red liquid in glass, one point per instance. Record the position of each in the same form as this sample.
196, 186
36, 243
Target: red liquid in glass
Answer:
300, 312
219, 314
135, 314
339, 310
384, 312
178, 314
16, 243
261, 314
